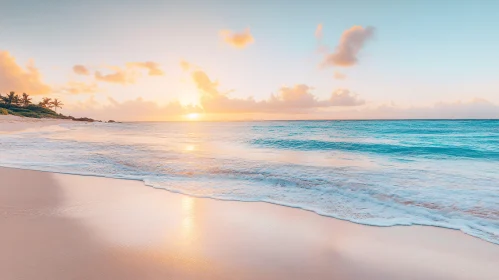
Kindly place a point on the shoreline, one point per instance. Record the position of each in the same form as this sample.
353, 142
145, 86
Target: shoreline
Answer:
112, 209
255, 201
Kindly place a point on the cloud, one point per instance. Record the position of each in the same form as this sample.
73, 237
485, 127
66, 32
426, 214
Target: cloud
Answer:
203, 83
351, 42
296, 99
74, 87
130, 110
150, 111
14, 78
153, 67
81, 70
343, 97
130, 73
118, 77
186, 66
339, 76
237, 40
473, 109
318, 31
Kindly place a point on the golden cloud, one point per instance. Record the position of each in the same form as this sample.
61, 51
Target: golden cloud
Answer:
185, 65
151, 111
351, 42
296, 99
130, 73
343, 97
203, 83
153, 67
339, 76
143, 110
14, 77
237, 40
81, 70
118, 77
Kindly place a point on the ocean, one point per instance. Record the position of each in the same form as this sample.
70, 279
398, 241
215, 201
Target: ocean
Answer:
442, 173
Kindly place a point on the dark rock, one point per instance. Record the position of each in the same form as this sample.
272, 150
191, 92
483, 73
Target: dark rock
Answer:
83, 119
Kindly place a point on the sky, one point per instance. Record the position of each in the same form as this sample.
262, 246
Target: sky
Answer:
154, 60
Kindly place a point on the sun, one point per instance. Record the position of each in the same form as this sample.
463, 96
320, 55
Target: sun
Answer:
193, 116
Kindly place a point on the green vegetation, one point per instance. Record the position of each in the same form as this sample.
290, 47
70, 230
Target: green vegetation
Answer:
14, 104
32, 111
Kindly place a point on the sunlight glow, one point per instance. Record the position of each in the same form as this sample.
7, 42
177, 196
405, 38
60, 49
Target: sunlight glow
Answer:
193, 116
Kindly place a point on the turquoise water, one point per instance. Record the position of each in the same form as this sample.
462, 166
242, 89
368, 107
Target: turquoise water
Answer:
382, 173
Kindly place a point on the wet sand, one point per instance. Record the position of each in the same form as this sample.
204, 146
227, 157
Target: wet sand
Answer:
56, 226
9, 123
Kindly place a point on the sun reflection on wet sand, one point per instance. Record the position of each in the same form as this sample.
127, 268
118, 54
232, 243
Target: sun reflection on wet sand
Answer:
188, 220
190, 148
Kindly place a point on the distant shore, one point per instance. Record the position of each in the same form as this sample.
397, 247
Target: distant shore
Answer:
57, 226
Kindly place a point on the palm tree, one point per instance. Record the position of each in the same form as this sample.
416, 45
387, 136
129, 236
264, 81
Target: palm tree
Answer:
45, 103
10, 98
25, 100
56, 104
16, 100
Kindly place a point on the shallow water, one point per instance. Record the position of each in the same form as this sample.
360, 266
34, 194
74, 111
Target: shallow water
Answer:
383, 173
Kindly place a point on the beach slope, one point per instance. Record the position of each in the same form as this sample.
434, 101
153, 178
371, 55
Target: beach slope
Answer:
58, 226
